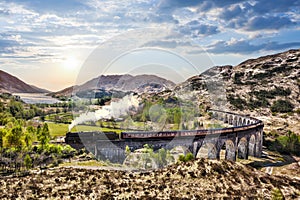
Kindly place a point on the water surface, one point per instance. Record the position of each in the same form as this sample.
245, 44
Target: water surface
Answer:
35, 98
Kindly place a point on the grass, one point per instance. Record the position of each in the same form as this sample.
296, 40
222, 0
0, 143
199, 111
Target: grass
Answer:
57, 129
60, 129
63, 117
89, 163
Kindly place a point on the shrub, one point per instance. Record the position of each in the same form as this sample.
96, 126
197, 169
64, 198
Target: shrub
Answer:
186, 158
287, 144
282, 106
258, 103
57, 149
181, 158
68, 151
237, 77
237, 102
277, 194
189, 156
271, 94
127, 150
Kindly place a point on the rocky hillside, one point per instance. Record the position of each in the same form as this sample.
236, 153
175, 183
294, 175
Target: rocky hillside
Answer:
139, 84
270, 88
199, 179
267, 88
11, 84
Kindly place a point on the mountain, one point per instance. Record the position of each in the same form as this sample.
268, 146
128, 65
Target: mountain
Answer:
12, 84
267, 87
67, 92
124, 83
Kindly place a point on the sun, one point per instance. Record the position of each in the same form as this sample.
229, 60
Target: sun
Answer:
71, 63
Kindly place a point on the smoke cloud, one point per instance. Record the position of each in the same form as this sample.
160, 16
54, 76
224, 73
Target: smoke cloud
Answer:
115, 110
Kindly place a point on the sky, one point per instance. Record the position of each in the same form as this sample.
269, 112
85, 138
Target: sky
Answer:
54, 44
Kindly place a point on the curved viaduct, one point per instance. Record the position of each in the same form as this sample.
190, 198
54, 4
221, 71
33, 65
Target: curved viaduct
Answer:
243, 139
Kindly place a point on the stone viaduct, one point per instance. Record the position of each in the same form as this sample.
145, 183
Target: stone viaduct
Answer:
243, 139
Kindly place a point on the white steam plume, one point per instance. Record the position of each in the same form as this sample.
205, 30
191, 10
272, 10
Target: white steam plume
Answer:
115, 110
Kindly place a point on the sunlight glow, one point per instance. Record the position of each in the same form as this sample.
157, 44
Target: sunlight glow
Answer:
71, 63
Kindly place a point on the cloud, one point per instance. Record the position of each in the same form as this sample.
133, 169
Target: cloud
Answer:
278, 46
6, 46
56, 6
171, 4
260, 15
270, 23
275, 6
4, 11
245, 47
207, 29
195, 28
239, 47
8, 42
231, 12
170, 44
203, 5
164, 44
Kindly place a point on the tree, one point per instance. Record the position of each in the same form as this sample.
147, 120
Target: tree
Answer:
14, 137
5, 118
42, 115
162, 157
44, 135
27, 162
3, 132
20, 122
29, 136
292, 141
15, 108
177, 116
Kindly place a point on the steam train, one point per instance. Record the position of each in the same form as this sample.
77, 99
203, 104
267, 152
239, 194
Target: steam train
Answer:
185, 133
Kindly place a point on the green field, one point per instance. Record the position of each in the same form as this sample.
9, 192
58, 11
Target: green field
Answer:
60, 117
59, 129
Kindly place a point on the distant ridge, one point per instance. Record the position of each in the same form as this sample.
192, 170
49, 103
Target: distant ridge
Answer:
11, 84
139, 83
